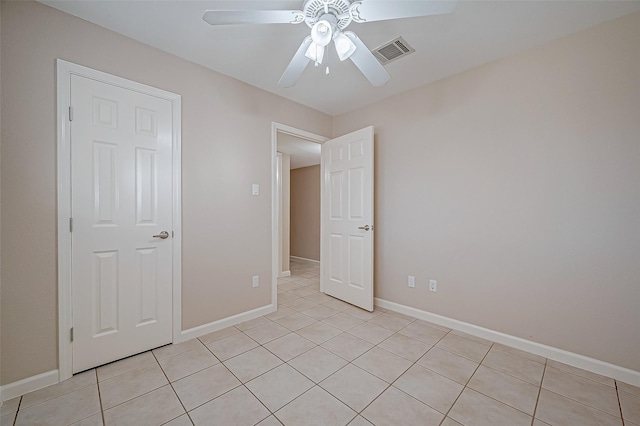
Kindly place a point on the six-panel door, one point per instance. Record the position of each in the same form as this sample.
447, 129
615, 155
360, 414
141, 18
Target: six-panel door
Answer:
347, 218
121, 161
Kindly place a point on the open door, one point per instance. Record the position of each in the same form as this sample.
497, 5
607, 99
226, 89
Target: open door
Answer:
347, 218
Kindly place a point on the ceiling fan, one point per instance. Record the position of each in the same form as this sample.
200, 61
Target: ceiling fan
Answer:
328, 20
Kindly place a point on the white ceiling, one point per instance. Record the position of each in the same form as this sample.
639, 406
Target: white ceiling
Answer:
477, 32
303, 153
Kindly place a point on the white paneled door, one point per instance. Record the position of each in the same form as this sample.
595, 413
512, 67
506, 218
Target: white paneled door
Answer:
347, 218
121, 194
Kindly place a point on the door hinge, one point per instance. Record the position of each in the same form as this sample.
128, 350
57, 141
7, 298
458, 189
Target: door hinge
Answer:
70, 224
70, 113
72, 334
173, 234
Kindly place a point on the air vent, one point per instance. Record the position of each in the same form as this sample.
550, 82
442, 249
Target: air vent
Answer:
393, 50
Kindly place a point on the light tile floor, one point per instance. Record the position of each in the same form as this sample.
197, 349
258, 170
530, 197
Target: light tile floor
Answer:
320, 361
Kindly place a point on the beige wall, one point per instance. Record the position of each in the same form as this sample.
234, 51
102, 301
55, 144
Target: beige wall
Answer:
305, 212
285, 213
226, 147
516, 186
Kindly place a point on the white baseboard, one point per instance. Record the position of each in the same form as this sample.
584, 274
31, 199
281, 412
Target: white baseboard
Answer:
580, 361
284, 274
201, 330
40, 381
29, 384
304, 259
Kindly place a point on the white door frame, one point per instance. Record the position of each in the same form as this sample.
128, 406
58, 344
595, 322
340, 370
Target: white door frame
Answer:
64, 70
275, 205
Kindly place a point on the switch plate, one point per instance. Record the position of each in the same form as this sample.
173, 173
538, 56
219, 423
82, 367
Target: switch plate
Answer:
256, 281
411, 282
433, 285
255, 189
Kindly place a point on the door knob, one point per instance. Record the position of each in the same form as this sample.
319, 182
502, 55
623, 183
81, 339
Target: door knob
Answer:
366, 227
164, 235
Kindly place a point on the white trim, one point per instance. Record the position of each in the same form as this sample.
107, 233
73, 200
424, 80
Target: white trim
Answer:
284, 274
29, 384
275, 211
65, 318
203, 329
576, 360
176, 109
305, 259
279, 171
64, 70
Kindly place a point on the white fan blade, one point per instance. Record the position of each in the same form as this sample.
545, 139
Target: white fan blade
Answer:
296, 66
253, 4
232, 17
367, 63
381, 10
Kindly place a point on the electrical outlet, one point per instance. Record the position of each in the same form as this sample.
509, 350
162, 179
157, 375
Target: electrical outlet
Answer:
433, 285
255, 189
256, 281
411, 282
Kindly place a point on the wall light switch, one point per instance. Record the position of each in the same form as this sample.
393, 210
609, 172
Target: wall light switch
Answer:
433, 285
256, 281
411, 282
255, 189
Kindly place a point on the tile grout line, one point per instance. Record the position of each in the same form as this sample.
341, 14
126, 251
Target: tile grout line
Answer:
230, 390
583, 404
511, 375
535, 409
507, 374
318, 384
615, 386
370, 349
615, 383
585, 377
414, 363
238, 379
468, 380
271, 413
172, 388
283, 362
314, 385
391, 384
15, 418
99, 397
142, 394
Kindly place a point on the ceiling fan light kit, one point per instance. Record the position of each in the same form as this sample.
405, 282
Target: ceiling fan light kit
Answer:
327, 20
344, 46
315, 52
322, 31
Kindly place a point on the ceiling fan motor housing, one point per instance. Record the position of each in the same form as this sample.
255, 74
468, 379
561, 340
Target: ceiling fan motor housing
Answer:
314, 10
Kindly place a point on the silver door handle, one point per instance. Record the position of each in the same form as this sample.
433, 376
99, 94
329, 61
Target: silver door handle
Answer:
164, 235
366, 227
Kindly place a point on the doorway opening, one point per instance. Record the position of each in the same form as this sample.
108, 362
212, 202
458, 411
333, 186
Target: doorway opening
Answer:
296, 203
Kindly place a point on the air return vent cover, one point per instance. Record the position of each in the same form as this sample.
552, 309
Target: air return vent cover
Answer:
392, 51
